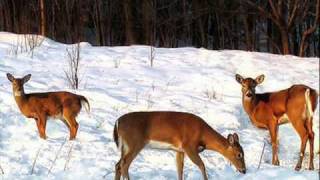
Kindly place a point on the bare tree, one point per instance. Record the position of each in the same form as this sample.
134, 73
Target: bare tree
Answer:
284, 14
276, 26
42, 18
97, 21
248, 22
310, 30
130, 38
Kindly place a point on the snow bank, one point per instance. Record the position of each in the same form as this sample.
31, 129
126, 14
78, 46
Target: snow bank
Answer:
117, 80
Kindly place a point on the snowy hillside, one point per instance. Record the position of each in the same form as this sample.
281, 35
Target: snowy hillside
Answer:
117, 80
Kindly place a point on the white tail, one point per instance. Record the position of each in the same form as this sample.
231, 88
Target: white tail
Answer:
308, 104
85, 103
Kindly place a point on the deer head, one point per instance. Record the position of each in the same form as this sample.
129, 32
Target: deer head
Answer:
235, 153
17, 83
249, 85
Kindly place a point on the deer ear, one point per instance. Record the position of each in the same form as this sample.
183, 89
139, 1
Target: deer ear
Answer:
10, 77
231, 139
235, 137
26, 78
259, 79
239, 78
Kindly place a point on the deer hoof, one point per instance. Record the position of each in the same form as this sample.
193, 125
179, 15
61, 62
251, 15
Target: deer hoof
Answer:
276, 162
311, 168
298, 167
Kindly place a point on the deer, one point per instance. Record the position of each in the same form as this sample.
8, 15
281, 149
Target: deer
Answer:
41, 106
268, 110
182, 132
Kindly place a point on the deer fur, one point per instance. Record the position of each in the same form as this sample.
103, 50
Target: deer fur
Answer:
40, 106
181, 132
267, 110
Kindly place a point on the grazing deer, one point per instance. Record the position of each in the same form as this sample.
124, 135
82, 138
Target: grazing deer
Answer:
61, 105
182, 132
269, 110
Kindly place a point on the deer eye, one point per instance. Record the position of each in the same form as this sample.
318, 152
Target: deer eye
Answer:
239, 155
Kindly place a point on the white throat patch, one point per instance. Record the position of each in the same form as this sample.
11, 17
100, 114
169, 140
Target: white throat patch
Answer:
17, 93
246, 98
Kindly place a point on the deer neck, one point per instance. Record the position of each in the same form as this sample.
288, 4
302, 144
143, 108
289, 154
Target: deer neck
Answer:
249, 104
20, 98
215, 141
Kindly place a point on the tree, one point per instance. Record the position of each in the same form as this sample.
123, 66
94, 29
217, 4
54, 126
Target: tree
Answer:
42, 18
310, 30
284, 14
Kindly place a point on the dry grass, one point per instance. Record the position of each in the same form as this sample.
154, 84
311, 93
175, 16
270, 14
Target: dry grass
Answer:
72, 72
35, 160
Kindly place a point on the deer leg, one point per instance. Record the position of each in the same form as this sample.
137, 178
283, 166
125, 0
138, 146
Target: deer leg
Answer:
311, 142
180, 163
118, 166
300, 128
299, 124
41, 124
195, 158
66, 123
127, 160
118, 171
273, 129
73, 125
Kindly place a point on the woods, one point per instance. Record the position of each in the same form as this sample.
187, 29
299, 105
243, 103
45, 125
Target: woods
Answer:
276, 26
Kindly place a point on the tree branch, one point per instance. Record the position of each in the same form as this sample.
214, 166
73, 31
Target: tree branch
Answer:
274, 10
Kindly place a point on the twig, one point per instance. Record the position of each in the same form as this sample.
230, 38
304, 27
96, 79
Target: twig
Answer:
152, 55
108, 172
264, 144
56, 157
2, 172
68, 158
35, 160
72, 72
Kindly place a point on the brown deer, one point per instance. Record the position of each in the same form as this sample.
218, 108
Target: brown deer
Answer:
182, 132
269, 110
40, 106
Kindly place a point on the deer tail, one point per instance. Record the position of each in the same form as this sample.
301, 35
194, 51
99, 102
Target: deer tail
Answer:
309, 110
115, 134
84, 102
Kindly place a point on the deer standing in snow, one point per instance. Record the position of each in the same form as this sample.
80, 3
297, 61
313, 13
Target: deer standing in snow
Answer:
182, 132
268, 110
40, 106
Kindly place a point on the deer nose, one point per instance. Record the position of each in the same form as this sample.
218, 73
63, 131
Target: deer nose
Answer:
249, 94
243, 171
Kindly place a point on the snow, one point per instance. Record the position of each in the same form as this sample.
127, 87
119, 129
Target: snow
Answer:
117, 80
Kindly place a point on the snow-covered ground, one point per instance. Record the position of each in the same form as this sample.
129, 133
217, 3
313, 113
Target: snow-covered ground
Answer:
117, 80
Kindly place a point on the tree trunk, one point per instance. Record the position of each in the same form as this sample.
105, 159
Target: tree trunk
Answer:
98, 23
42, 19
285, 41
108, 24
53, 22
303, 44
147, 15
295, 40
128, 22
248, 32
